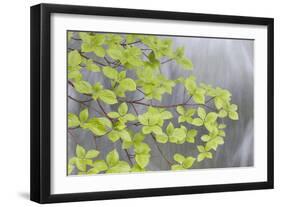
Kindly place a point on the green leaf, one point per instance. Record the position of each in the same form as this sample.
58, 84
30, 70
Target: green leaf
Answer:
75, 75
98, 126
100, 165
128, 84
199, 96
179, 158
219, 102
166, 115
137, 168
201, 157
92, 171
188, 162
108, 96
80, 151
190, 135
190, 84
186, 63
170, 128
146, 129
119, 125
110, 72
201, 113
133, 56
126, 145
139, 137
141, 148
119, 167
74, 58
181, 119
84, 115
125, 136
211, 117
221, 133
115, 53
73, 120
182, 60
233, 115
72, 160
92, 43
69, 169
177, 167
201, 148
92, 154
91, 66
113, 135
129, 117
143, 119
156, 129
81, 164
100, 52
161, 138
208, 155
190, 112
113, 115
211, 126
190, 139
222, 113
205, 138
197, 122
123, 109
213, 143
105, 121
142, 159
112, 158
179, 134
222, 126
180, 110
233, 107
83, 87
97, 87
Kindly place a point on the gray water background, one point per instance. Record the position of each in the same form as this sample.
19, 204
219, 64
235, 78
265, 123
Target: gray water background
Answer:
227, 63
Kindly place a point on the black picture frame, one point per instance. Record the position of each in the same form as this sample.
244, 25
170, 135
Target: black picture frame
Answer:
41, 102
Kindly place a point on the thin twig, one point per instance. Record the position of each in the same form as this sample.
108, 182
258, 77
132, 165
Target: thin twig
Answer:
125, 44
84, 56
188, 99
145, 55
91, 107
168, 106
141, 91
74, 136
104, 112
107, 61
166, 61
160, 151
135, 109
95, 142
70, 83
80, 101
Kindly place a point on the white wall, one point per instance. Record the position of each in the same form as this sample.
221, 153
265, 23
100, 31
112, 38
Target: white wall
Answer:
14, 84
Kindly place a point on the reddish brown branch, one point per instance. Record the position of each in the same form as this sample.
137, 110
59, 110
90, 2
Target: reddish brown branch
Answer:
169, 106
103, 110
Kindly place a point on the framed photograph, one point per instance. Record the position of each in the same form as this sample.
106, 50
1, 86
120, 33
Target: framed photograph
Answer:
133, 103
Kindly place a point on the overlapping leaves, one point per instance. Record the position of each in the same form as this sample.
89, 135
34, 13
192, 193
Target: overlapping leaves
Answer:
132, 65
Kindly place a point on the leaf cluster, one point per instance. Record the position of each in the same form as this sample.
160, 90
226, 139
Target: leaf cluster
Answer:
131, 64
